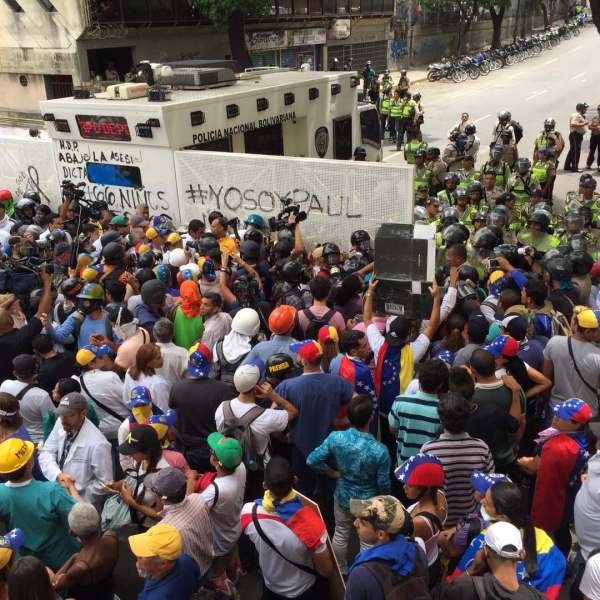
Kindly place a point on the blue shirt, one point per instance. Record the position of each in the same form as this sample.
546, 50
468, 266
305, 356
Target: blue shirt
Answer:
64, 333
363, 462
179, 583
263, 350
318, 397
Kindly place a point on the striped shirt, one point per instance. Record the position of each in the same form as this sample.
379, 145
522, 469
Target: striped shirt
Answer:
460, 455
415, 418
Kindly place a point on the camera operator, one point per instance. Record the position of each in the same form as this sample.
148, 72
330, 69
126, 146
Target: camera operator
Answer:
195, 230
18, 341
56, 224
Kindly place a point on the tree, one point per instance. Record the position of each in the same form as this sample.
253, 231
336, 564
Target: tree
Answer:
233, 14
497, 10
467, 11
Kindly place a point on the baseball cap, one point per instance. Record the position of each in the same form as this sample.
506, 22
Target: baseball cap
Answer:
423, 470
24, 364
61, 248
589, 319
309, 350
227, 450
482, 482
168, 482
208, 270
397, 331
573, 410
90, 352
497, 282
138, 440
14, 454
162, 540
504, 539
503, 345
247, 376
516, 325
139, 396
173, 238
385, 512
199, 360
120, 221
477, 327
71, 404
9, 543
328, 332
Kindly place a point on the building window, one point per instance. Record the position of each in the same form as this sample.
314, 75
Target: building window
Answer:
13, 5
300, 7
342, 7
284, 7
354, 6
316, 7
47, 5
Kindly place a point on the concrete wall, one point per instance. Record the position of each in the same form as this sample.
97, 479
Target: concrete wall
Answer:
16, 97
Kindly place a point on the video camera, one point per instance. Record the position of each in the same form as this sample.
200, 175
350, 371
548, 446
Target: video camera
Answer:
281, 220
89, 209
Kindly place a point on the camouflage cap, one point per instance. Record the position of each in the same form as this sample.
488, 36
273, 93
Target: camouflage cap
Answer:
385, 512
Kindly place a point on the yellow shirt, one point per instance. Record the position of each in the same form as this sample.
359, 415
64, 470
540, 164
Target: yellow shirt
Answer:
228, 244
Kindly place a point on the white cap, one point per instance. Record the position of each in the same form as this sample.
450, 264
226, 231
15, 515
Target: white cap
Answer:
246, 377
504, 539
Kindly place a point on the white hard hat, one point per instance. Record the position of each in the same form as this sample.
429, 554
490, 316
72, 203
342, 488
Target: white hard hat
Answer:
246, 322
177, 257
193, 267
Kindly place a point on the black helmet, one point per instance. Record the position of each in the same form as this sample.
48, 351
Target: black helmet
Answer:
71, 286
433, 152
522, 164
559, 268
474, 186
421, 153
207, 243
461, 139
34, 196
153, 292
456, 233
497, 218
109, 237
542, 217
22, 205
507, 251
331, 254
486, 238
504, 116
578, 243
480, 215
145, 260
253, 235
359, 237
113, 253
503, 199
470, 129
280, 366
543, 206
581, 262
549, 124
449, 215
582, 106
417, 96
292, 271
468, 272
355, 263
249, 250
575, 216
452, 176
460, 193
360, 152
588, 181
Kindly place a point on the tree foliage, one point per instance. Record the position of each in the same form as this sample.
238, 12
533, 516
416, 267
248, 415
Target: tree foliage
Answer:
220, 12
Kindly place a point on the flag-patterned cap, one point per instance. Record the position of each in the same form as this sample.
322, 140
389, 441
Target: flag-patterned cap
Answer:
573, 410
482, 482
503, 345
424, 470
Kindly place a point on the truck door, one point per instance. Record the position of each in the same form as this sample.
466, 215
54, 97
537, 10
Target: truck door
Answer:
370, 132
342, 138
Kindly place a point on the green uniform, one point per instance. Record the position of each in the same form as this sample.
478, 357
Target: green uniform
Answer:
502, 171
411, 148
395, 109
40, 509
575, 200
540, 171
466, 217
521, 188
539, 240
422, 177
445, 197
384, 104
467, 177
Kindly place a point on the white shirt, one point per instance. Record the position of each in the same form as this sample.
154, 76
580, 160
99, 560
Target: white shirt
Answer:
175, 360
88, 461
590, 582
280, 576
159, 387
216, 328
33, 406
107, 388
376, 341
587, 508
225, 515
262, 427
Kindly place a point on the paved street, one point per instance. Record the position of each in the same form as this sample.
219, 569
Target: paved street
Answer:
548, 85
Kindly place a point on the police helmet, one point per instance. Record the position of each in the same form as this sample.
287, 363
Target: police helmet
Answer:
360, 152
433, 152
522, 165
575, 217
588, 182
504, 116
460, 193
249, 250
449, 216
470, 129
496, 152
486, 238
507, 251
451, 176
331, 253
461, 139
292, 271
23, 204
468, 272
497, 218
480, 215
420, 213
542, 217
578, 243
421, 153
207, 243
253, 235
109, 237
113, 253
549, 124
456, 233
474, 186
360, 237
542, 206
559, 268
34, 196
417, 96
355, 263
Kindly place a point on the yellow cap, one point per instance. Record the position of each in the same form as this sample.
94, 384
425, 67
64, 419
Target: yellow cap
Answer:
151, 233
14, 454
173, 238
161, 540
89, 275
142, 248
5, 555
495, 275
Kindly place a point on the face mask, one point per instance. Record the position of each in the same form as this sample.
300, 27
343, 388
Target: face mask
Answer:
141, 413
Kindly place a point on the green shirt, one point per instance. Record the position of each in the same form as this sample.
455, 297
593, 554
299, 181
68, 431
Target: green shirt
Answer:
188, 330
40, 509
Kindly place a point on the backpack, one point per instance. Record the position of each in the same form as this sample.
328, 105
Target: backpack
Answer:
518, 129
223, 369
239, 428
413, 586
315, 323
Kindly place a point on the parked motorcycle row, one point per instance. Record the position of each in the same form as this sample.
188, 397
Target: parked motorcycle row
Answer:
461, 68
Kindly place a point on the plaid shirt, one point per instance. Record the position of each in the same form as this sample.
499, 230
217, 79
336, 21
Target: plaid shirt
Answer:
192, 520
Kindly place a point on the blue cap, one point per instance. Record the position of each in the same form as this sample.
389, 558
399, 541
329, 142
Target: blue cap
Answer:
573, 410
482, 482
445, 355
200, 361
139, 396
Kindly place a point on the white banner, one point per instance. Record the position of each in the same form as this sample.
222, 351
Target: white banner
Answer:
338, 196
307, 37
28, 165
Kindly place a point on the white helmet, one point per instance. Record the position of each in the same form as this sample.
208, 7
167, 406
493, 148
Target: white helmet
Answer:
177, 257
246, 322
193, 267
